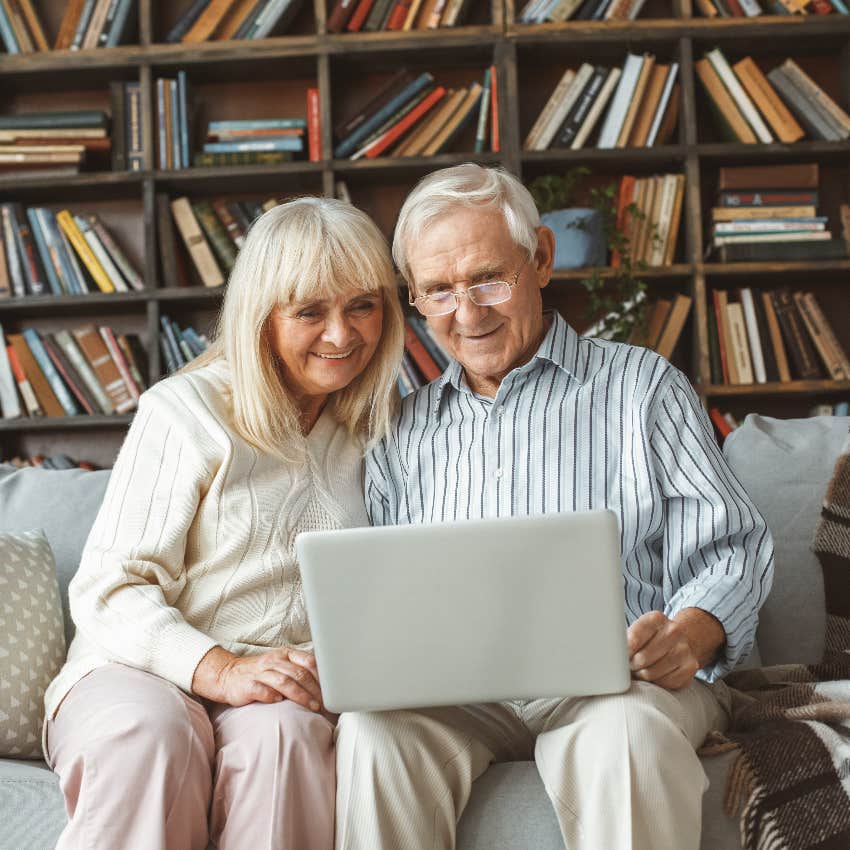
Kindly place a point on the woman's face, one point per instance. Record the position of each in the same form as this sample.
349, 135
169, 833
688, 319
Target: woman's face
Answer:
323, 345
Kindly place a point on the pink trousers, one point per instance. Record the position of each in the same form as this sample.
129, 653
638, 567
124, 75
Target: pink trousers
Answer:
144, 766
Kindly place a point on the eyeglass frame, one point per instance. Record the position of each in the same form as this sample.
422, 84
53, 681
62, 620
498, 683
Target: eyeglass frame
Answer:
465, 292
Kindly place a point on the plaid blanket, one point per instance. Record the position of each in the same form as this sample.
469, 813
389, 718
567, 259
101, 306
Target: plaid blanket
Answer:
790, 783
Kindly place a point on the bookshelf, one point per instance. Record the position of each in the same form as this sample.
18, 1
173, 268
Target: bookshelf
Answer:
267, 77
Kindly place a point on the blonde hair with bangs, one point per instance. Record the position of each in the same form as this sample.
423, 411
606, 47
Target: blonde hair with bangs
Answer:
307, 248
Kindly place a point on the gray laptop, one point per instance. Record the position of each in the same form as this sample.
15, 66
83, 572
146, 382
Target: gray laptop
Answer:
477, 611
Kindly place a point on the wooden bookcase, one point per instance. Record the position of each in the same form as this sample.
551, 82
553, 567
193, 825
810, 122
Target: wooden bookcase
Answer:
269, 78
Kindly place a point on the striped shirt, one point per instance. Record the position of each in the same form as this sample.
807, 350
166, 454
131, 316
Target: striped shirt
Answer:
589, 424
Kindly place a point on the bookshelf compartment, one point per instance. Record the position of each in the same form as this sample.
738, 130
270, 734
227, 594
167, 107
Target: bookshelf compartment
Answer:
820, 60
426, 18
199, 315
96, 442
590, 14
165, 16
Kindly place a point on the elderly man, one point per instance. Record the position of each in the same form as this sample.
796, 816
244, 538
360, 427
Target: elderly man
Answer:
530, 418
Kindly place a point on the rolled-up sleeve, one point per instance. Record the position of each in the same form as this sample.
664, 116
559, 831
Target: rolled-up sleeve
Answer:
717, 549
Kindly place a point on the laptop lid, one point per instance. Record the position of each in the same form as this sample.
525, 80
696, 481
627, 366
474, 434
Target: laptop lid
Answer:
474, 611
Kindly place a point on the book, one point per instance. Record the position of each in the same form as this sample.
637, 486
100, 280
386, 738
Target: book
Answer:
739, 342
784, 177
720, 422
776, 343
726, 108
616, 114
795, 336
96, 24
647, 65
69, 375
811, 118
10, 405
68, 346
94, 349
834, 249
314, 125
456, 122
674, 325
424, 134
424, 361
649, 105
566, 93
756, 352
31, 403
742, 100
389, 130
769, 103
223, 248
68, 26
826, 344
728, 364
483, 113
193, 238
48, 369
109, 339
804, 83
495, 144
579, 112
95, 269
596, 110
47, 400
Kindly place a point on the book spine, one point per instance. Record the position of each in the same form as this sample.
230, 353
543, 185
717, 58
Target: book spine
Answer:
66, 372
95, 27
119, 139
111, 10
495, 144
127, 271
287, 143
77, 278
108, 337
75, 357
728, 78
662, 104
31, 403
26, 251
132, 364
578, 113
13, 253
738, 338
133, 127
619, 105
69, 226
314, 125
9, 403
775, 334
101, 254
822, 101
596, 110
483, 114
791, 324
756, 353
69, 405
174, 107
234, 232
7, 33
395, 132
430, 370
185, 23
822, 343
96, 352
278, 10
340, 14
47, 259
562, 107
247, 24
809, 117
174, 359
183, 99
197, 246
82, 24
768, 199
215, 233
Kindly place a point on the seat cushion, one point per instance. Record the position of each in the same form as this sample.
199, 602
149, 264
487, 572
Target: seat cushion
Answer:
509, 810
785, 465
32, 806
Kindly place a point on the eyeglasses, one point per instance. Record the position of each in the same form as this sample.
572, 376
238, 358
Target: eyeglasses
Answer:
481, 294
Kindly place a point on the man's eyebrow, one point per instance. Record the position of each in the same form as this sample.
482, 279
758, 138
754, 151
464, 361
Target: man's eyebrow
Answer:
480, 274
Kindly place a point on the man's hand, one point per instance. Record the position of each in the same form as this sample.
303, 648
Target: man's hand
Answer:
669, 652
271, 677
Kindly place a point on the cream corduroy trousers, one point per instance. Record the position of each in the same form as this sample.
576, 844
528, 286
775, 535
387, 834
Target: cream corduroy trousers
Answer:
144, 766
621, 771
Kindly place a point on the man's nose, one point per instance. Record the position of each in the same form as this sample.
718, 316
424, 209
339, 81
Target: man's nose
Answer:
467, 312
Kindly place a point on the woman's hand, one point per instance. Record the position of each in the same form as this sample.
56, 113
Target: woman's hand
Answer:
271, 677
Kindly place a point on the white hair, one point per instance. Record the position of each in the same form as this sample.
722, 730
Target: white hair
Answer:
465, 186
306, 248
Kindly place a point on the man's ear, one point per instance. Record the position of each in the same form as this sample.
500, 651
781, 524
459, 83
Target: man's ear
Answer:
544, 255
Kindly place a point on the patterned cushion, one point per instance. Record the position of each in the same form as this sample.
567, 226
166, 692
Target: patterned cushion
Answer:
32, 640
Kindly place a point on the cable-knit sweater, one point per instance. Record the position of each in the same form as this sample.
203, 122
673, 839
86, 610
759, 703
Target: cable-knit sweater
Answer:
194, 545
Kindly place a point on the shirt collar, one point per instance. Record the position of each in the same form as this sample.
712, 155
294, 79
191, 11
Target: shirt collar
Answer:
560, 346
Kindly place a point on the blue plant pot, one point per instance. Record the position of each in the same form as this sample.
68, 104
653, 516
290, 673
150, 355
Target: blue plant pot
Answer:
579, 240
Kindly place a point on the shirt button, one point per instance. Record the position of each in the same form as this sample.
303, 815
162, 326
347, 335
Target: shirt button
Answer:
498, 473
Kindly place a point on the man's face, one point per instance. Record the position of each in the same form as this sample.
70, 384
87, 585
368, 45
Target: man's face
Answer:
472, 246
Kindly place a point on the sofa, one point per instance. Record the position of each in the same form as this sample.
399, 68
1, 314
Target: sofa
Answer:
784, 464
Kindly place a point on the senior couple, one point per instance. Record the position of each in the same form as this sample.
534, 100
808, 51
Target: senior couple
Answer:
190, 707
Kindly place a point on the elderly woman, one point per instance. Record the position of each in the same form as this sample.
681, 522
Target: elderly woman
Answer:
189, 708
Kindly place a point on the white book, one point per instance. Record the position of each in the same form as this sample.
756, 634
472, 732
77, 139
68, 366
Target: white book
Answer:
9, 401
658, 248
662, 104
563, 9
596, 329
754, 238
84, 285
559, 92
102, 255
596, 110
741, 351
741, 98
620, 103
753, 335
635, 10
751, 8
12, 258
530, 14
563, 107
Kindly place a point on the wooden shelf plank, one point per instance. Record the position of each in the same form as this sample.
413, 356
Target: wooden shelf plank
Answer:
652, 273
418, 164
22, 181
796, 388
621, 157
65, 423
476, 37
723, 151
784, 267
52, 304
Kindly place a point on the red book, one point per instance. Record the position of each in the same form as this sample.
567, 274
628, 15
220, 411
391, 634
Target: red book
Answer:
395, 132
494, 109
423, 360
720, 422
340, 14
821, 7
314, 125
398, 15
735, 8
624, 200
360, 15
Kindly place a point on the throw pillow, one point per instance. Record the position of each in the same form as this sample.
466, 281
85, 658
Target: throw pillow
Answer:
32, 639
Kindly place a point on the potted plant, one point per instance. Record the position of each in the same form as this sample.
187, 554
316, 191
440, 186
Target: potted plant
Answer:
585, 237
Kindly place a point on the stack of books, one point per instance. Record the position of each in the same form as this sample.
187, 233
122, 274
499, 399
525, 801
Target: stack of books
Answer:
212, 231
546, 11
86, 24
89, 370
233, 19
649, 210
841, 408
424, 359
769, 212
641, 99
179, 346
752, 107
43, 252
53, 143
770, 336
413, 116
754, 8
398, 15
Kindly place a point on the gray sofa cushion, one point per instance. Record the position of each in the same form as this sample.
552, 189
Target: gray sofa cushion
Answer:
32, 806
785, 466
62, 502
